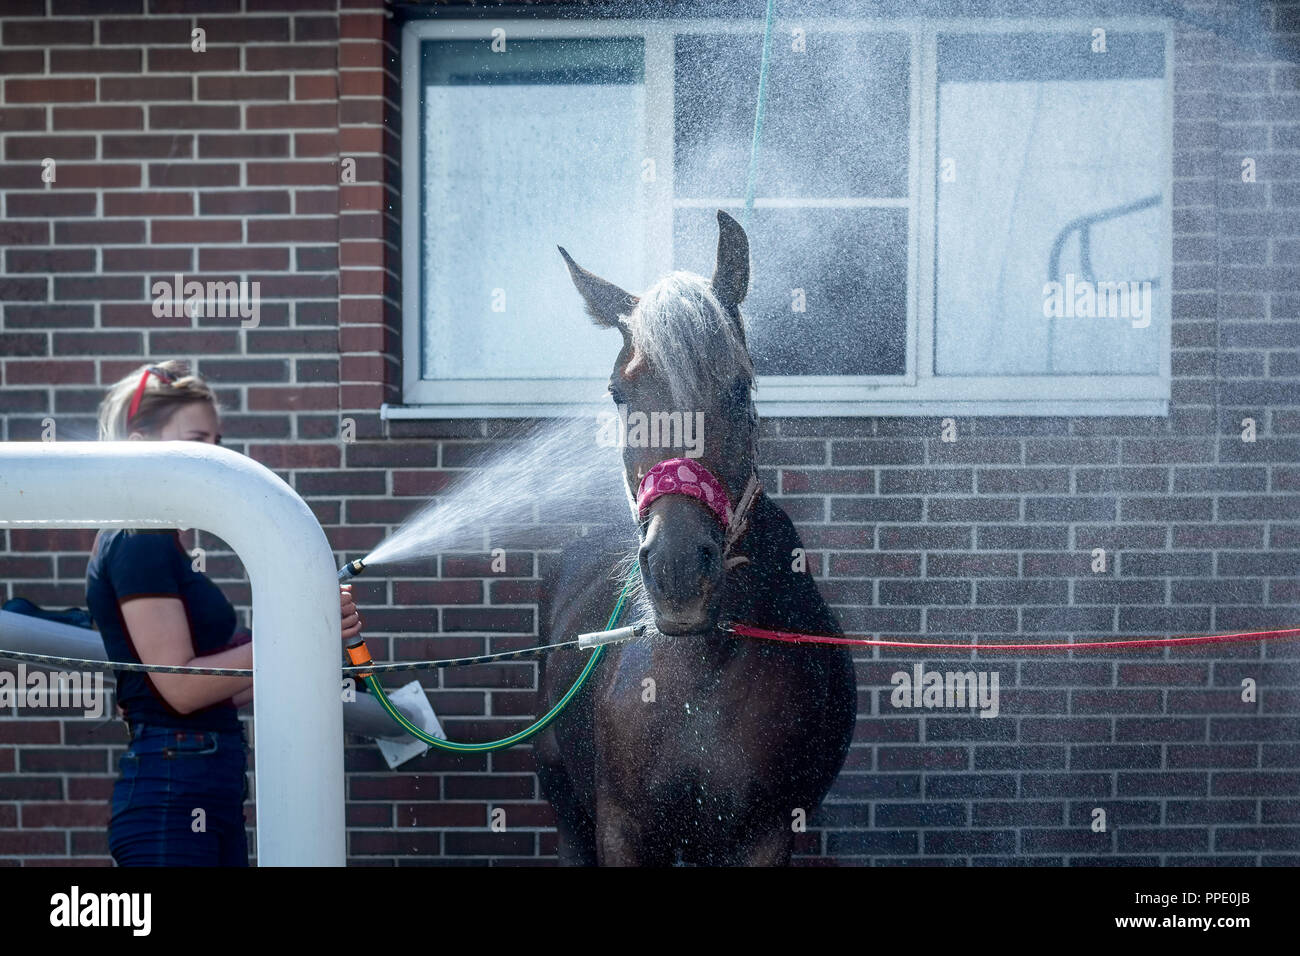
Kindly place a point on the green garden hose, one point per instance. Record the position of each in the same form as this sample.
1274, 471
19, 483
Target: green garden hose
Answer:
492, 746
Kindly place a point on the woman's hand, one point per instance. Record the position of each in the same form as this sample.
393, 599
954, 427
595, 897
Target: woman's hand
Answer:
351, 619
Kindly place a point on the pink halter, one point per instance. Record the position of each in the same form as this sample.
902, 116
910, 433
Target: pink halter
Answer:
685, 476
682, 476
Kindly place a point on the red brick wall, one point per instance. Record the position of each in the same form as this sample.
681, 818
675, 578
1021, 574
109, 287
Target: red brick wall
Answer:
226, 165
222, 164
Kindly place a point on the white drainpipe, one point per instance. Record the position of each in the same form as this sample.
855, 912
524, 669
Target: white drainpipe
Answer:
298, 733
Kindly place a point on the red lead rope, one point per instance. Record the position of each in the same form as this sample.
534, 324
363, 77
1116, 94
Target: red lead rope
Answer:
746, 630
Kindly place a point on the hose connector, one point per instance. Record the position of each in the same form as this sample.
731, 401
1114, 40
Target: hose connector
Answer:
351, 570
359, 655
616, 636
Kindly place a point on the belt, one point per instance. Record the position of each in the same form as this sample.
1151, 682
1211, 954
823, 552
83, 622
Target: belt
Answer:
136, 728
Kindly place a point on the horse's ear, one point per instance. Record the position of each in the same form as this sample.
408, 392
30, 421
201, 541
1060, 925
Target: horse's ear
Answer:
605, 301
731, 274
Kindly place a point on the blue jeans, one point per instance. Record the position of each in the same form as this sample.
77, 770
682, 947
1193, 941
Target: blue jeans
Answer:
166, 775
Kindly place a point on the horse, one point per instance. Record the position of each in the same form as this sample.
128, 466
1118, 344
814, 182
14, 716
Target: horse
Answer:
690, 745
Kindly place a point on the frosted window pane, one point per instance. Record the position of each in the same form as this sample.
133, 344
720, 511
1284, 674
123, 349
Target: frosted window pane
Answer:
835, 122
524, 150
1032, 161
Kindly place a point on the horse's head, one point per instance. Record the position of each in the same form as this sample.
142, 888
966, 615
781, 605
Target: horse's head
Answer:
682, 384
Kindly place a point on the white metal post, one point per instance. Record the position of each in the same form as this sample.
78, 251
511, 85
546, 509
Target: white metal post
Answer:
298, 736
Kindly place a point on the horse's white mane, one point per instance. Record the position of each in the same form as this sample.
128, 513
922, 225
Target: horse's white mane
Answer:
681, 329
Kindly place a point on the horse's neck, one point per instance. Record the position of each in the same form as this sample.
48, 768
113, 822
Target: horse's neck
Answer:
768, 591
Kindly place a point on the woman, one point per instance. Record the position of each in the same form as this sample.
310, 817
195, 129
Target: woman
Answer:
179, 797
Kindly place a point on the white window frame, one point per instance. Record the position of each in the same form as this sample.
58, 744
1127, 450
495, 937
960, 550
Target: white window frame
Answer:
919, 391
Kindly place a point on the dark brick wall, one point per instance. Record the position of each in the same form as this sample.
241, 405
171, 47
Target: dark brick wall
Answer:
226, 165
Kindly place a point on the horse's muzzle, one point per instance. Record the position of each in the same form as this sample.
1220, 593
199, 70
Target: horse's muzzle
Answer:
681, 567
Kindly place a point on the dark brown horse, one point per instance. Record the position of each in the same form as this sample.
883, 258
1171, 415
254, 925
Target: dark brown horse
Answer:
691, 745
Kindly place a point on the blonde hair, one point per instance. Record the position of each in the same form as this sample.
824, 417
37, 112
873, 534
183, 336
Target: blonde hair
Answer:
159, 401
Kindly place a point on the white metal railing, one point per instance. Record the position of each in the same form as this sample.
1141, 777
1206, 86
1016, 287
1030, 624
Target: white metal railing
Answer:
298, 734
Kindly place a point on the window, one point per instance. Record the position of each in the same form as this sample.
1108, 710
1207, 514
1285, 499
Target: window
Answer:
966, 217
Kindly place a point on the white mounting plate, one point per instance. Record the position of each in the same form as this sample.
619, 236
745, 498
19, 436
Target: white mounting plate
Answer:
411, 700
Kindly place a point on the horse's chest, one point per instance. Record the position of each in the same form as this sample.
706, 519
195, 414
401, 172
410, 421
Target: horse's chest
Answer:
672, 730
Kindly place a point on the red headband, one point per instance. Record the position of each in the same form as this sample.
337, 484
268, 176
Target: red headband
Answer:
162, 374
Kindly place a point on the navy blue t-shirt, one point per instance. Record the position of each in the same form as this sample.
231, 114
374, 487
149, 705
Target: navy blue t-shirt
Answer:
130, 563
